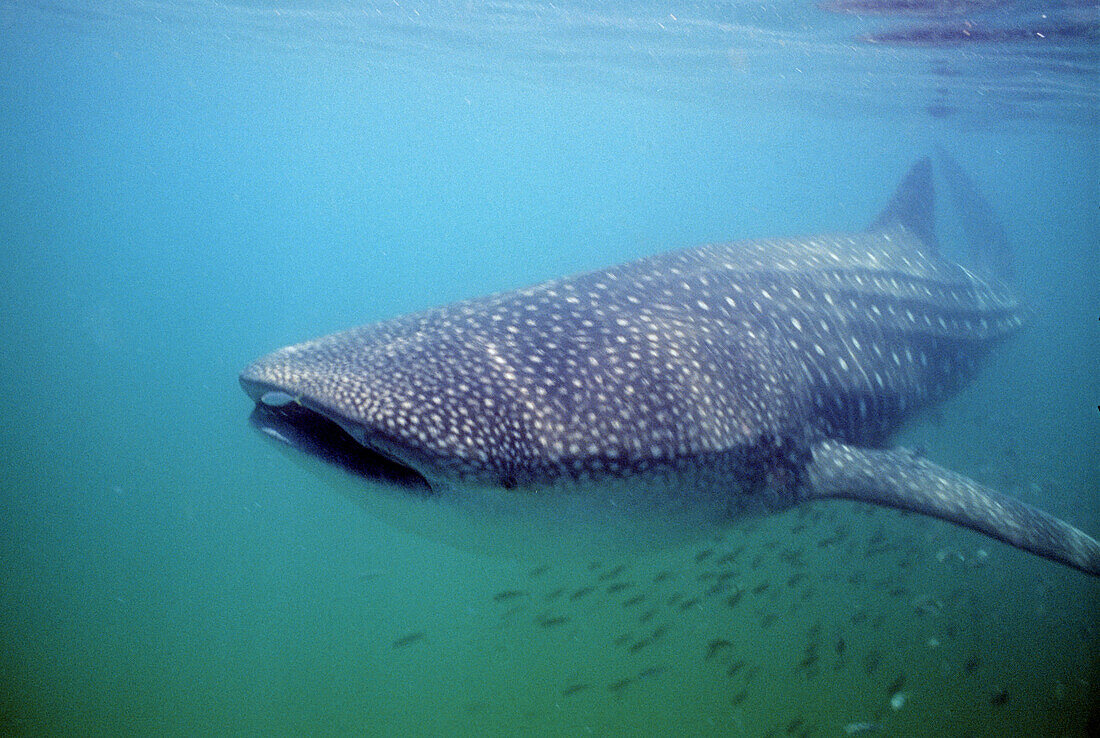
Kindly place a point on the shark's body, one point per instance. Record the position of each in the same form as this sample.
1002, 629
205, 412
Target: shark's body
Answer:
692, 386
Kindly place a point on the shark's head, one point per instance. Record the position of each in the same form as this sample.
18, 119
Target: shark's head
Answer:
530, 388
517, 408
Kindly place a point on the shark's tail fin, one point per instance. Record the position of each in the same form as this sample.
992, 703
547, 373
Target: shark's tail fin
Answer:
904, 481
982, 229
913, 205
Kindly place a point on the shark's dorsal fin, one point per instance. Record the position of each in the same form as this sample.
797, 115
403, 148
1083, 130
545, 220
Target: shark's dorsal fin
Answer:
983, 230
913, 205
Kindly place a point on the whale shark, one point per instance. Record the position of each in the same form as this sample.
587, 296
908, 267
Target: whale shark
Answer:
660, 399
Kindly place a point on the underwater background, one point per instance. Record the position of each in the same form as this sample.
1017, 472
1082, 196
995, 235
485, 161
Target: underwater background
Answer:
187, 185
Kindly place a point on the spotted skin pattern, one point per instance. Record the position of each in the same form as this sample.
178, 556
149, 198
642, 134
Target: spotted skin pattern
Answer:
746, 370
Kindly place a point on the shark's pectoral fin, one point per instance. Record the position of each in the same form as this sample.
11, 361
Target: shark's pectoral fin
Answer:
905, 481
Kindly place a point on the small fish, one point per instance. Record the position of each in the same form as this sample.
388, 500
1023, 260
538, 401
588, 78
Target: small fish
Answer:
735, 667
639, 645
795, 578
618, 587
409, 639
538, 571
619, 685
612, 573
897, 684
715, 646
734, 598
761, 588
740, 697
998, 698
550, 597
366, 576
793, 557
871, 662
690, 603
648, 615
574, 689
862, 728
635, 600
652, 671
662, 576
506, 595
703, 555
553, 622
794, 725
581, 593
927, 605
832, 540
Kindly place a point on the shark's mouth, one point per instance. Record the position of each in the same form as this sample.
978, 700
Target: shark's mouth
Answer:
309, 431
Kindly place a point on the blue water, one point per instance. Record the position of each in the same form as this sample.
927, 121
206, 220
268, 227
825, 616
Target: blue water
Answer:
186, 186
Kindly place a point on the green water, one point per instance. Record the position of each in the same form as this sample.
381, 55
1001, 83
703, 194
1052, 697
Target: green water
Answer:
184, 190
